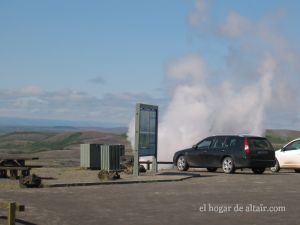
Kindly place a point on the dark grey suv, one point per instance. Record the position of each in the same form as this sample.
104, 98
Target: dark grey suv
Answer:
228, 152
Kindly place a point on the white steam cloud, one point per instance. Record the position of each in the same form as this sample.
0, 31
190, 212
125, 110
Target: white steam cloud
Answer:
199, 109
202, 104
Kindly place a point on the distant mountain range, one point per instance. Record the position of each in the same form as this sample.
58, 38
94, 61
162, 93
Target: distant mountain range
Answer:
11, 121
11, 124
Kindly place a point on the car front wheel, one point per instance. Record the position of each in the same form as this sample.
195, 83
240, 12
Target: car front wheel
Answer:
258, 170
182, 164
276, 168
228, 165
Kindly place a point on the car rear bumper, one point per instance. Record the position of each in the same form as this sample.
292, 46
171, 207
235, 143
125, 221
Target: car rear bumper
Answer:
259, 163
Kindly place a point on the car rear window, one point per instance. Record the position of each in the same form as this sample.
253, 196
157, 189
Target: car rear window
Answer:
260, 144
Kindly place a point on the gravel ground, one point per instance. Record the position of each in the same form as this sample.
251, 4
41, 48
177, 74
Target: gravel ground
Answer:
199, 200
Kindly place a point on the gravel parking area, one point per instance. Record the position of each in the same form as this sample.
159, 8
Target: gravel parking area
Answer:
212, 198
75, 176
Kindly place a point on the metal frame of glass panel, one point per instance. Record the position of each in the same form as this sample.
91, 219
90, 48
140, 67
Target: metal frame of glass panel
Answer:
146, 123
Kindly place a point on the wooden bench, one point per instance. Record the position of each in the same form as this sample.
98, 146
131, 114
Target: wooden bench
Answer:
14, 171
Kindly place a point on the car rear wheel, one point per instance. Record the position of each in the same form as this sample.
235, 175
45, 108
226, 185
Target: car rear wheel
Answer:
276, 168
297, 170
258, 170
211, 169
228, 165
182, 164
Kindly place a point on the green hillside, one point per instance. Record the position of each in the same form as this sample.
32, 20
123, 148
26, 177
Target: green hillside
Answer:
279, 138
29, 142
34, 141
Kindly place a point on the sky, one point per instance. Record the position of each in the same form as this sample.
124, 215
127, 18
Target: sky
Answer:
94, 60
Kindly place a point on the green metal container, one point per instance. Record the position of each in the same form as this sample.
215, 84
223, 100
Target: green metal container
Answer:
110, 157
90, 157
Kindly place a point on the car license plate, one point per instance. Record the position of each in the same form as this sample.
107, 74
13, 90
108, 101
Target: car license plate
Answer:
262, 152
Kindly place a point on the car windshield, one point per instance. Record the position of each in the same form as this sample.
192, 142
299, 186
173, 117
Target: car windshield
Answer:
205, 143
260, 144
293, 146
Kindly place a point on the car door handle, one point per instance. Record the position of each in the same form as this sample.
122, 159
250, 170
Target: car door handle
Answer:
222, 150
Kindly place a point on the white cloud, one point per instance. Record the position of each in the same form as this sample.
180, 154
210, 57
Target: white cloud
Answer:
31, 91
199, 14
28, 102
26, 91
235, 25
71, 105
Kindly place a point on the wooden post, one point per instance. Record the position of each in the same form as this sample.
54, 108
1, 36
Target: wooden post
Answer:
11, 207
11, 213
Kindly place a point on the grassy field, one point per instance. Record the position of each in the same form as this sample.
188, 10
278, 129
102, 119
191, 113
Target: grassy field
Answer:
30, 142
279, 138
39, 141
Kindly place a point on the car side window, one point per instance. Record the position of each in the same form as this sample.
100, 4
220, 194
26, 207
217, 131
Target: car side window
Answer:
293, 146
219, 142
205, 144
232, 142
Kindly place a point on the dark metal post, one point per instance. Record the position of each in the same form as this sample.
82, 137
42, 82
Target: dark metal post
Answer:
136, 158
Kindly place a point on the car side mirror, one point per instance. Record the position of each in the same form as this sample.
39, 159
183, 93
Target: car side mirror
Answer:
283, 149
194, 147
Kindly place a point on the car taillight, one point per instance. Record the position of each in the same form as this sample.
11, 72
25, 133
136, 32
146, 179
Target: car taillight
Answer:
247, 147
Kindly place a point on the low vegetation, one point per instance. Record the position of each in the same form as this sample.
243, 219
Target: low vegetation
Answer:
30, 142
34, 141
279, 138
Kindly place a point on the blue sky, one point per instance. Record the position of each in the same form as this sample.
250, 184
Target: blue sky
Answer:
64, 44
93, 60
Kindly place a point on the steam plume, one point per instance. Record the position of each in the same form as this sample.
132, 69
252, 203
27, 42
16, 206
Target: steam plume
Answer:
202, 105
